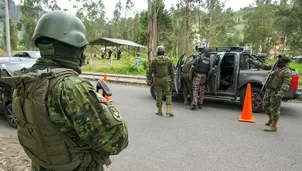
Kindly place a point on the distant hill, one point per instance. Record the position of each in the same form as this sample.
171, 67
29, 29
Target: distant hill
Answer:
14, 12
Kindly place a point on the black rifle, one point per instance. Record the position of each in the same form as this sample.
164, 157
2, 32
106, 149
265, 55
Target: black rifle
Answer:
268, 77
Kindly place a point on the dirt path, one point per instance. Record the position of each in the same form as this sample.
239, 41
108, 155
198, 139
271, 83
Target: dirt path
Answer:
12, 156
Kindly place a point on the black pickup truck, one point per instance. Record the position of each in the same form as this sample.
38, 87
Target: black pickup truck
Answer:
230, 74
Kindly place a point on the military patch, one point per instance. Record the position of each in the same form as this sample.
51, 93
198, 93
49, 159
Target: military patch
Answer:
102, 98
115, 113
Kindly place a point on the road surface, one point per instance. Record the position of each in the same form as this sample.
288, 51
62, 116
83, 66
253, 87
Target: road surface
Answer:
205, 140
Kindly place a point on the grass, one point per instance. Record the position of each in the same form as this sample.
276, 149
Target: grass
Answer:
2, 53
122, 66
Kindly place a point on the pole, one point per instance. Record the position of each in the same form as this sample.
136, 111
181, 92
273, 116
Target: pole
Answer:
7, 30
90, 59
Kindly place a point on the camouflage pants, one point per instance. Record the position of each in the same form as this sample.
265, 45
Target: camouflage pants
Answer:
271, 105
163, 84
199, 88
187, 85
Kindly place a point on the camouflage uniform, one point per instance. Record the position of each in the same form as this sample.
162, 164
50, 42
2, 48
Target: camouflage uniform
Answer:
199, 80
186, 82
262, 56
199, 84
277, 85
163, 75
85, 128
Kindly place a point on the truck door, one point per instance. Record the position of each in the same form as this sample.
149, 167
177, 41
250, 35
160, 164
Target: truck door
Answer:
214, 74
177, 79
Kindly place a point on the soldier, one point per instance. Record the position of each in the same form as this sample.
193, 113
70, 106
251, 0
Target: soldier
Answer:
64, 124
199, 71
262, 56
277, 84
163, 71
185, 77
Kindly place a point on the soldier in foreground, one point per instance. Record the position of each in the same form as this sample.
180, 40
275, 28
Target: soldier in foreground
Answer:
163, 74
185, 77
277, 84
198, 72
64, 124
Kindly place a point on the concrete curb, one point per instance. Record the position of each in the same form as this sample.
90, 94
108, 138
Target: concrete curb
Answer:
117, 80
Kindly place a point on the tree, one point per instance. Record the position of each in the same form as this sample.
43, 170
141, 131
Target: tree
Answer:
92, 13
117, 19
150, 56
154, 24
128, 7
288, 23
187, 27
13, 34
259, 28
30, 14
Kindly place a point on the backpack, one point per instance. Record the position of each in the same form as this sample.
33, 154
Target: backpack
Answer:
161, 66
48, 147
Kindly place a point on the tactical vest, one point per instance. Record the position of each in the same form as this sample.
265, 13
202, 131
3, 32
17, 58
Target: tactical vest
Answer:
187, 65
161, 66
38, 136
277, 78
203, 65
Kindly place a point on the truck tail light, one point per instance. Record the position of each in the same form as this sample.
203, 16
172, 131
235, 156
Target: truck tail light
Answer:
295, 82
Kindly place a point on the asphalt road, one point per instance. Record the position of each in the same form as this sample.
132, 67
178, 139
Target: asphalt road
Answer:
206, 140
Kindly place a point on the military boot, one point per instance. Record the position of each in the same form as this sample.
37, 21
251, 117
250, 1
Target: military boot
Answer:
168, 112
269, 122
159, 111
193, 107
272, 127
199, 106
186, 102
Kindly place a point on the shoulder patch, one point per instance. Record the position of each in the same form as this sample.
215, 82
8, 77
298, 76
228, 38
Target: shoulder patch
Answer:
102, 98
115, 113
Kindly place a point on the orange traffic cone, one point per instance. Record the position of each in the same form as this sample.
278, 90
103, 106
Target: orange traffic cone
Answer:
105, 79
247, 114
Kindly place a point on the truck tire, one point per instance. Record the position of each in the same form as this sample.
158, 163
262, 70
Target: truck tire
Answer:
10, 116
153, 93
257, 98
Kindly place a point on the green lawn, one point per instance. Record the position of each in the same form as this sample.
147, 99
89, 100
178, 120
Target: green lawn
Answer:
2, 53
122, 66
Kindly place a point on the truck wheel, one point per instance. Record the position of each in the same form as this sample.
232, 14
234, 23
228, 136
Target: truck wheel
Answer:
257, 98
153, 93
10, 116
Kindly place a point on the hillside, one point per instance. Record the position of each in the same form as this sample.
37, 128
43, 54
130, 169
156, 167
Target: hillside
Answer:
14, 12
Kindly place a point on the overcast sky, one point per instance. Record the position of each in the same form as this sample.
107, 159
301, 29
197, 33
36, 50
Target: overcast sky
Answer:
140, 5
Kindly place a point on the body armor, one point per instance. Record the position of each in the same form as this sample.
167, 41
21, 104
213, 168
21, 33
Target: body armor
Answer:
203, 65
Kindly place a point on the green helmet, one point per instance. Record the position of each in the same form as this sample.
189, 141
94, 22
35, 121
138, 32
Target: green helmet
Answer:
160, 49
63, 27
284, 59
